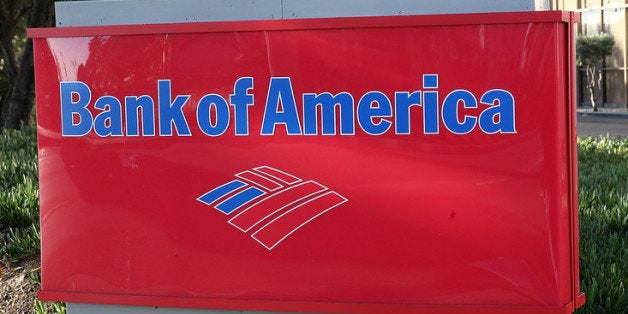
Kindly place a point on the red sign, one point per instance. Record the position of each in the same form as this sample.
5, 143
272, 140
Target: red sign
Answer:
353, 165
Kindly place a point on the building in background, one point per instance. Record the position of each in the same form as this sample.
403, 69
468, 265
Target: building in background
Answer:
608, 16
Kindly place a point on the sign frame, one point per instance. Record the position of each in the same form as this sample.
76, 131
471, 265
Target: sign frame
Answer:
566, 18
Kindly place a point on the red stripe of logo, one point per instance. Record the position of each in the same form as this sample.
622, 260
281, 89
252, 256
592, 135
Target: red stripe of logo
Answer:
259, 180
281, 227
285, 177
254, 214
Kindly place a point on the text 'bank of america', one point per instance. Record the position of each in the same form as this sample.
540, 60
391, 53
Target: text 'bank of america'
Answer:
376, 113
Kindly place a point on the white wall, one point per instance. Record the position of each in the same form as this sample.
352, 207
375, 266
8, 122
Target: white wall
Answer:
116, 12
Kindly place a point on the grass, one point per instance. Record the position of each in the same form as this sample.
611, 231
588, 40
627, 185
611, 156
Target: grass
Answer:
19, 193
603, 200
603, 197
19, 203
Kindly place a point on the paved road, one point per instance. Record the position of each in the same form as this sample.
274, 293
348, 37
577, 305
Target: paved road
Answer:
596, 124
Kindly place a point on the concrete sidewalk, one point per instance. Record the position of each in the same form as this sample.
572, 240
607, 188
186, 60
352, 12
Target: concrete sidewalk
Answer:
611, 121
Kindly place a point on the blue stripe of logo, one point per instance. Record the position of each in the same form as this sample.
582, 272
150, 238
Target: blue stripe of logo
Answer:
221, 191
239, 199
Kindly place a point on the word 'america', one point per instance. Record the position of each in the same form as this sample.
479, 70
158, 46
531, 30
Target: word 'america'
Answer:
317, 114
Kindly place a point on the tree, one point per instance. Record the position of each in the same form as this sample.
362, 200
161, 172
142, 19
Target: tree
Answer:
16, 57
591, 50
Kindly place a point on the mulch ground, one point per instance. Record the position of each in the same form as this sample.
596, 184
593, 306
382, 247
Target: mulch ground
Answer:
17, 290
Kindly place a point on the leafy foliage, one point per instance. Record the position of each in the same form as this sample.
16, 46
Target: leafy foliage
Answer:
21, 242
49, 307
592, 49
590, 53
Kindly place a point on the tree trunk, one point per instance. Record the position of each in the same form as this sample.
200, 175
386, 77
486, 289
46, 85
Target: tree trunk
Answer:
7, 32
599, 77
594, 85
591, 91
17, 104
8, 29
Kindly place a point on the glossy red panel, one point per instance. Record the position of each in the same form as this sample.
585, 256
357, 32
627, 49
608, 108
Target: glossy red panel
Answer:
201, 165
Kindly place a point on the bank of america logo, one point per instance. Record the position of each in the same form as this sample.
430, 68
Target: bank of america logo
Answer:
270, 204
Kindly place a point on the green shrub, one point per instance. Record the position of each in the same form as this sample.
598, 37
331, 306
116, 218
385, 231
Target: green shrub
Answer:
591, 50
603, 202
19, 193
21, 242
